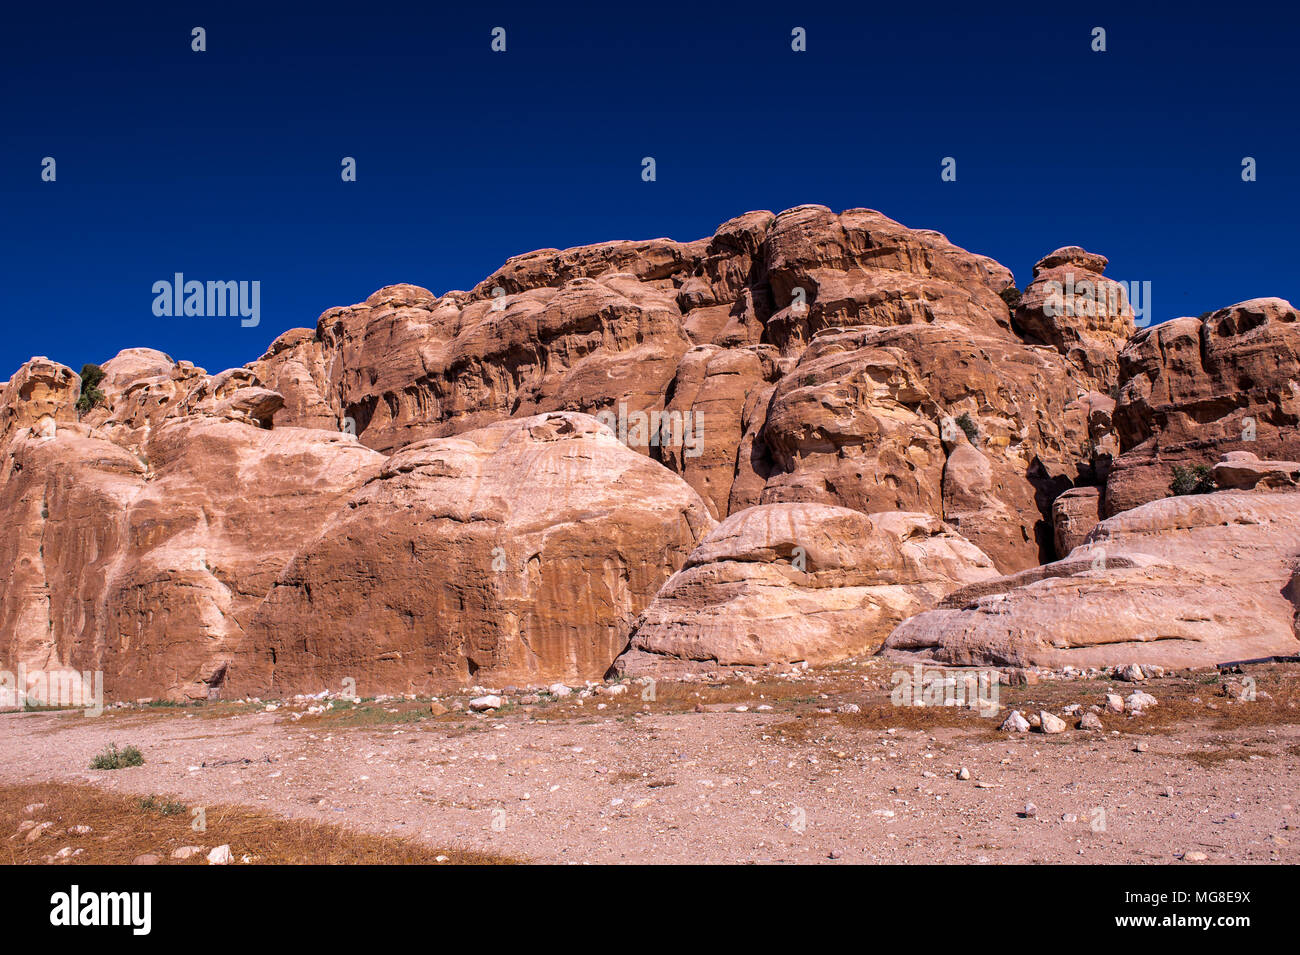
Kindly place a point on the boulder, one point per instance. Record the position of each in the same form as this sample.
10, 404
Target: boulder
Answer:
1180, 582
517, 553
783, 583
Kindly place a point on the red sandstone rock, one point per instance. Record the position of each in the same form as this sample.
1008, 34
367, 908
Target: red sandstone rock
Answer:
1185, 581
1195, 389
516, 553
783, 583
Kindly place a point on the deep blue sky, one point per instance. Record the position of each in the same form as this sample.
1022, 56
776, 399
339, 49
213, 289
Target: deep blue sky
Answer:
225, 164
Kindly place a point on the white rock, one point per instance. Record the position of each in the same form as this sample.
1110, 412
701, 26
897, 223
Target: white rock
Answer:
1114, 703
221, 855
1050, 723
1137, 701
481, 703
1015, 723
1130, 674
558, 690
185, 852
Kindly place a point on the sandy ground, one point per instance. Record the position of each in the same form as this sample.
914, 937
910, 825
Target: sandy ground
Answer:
562, 782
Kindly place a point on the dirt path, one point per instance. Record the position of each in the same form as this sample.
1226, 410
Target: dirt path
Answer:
572, 783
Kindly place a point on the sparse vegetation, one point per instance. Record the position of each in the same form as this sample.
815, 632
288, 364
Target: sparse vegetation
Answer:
123, 827
114, 758
91, 376
967, 424
163, 806
1011, 295
1194, 480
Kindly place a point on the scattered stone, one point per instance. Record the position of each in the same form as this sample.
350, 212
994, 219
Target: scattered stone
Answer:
1130, 674
963, 773
1137, 701
185, 852
1140, 748
437, 709
147, 859
80, 830
1029, 812
848, 708
483, 703
1090, 721
38, 831
1015, 723
221, 855
1050, 723
1194, 857
1114, 703
558, 690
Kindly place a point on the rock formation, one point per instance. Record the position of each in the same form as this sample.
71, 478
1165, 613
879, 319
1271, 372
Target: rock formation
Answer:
516, 553
496, 484
1194, 580
784, 583
1194, 389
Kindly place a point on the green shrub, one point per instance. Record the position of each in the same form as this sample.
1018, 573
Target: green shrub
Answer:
1195, 480
967, 424
1011, 295
91, 376
114, 758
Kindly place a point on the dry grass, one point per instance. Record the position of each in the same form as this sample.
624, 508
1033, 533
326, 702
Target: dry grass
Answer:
125, 827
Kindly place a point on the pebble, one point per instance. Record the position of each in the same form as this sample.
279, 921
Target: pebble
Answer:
963, 773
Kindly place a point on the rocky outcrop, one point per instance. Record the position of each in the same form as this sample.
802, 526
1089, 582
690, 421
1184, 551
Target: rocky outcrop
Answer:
1073, 308
196, 532
783, 583
137, 541
1243, 471
1185, 581
517, 553
1195, 389
1074, 514
813, 353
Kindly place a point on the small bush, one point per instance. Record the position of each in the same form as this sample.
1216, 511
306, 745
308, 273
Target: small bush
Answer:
114, 758
1011, 295
1196, 480
91, 376
967, 424
164, 807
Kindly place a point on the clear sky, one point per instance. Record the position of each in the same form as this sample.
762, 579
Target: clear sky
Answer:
225, 164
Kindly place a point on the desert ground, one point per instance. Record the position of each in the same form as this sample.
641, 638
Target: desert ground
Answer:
770, 766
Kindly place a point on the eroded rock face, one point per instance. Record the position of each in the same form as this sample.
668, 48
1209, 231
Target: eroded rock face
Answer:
1072, 307
782, 583
138, 540
817, 353
806, 359
1185, 581
516, 553
1195, 389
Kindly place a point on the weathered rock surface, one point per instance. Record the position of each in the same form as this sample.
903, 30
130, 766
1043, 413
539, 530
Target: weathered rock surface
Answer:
814, 353
1072, 307
171, 535
1184, 581
521, 552
1195, 389
139, 547
782, 583
1244, 471
1074, 514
